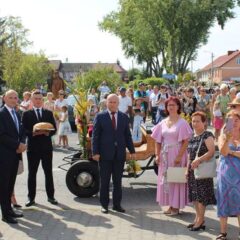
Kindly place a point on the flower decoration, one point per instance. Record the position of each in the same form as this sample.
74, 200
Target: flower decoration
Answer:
80, 93
133, 167
187, 117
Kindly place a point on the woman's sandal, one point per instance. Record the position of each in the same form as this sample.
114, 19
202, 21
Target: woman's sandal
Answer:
168, 212
222, 236
190, 225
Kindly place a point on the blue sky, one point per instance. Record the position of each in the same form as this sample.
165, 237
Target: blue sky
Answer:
68, 29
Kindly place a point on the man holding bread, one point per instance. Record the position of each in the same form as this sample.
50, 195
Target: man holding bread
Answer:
40, 125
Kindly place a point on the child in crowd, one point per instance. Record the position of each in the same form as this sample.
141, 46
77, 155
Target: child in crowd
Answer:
64, 127
26, 103
138, 113
217, 119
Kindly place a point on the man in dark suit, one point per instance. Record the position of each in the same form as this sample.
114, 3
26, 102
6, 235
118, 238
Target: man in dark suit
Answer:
12, 144
39, 148
111, 136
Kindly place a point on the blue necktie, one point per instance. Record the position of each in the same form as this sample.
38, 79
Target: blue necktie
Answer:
15, 119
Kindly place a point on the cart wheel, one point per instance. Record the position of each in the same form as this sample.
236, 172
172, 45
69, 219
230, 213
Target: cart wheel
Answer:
155, 167
82, 178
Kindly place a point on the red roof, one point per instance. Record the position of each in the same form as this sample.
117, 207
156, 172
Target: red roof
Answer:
220, 61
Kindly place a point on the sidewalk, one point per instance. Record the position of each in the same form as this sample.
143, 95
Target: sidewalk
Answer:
76, 218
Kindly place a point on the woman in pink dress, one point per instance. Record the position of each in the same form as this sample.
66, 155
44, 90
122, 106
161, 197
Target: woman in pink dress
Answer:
171, 136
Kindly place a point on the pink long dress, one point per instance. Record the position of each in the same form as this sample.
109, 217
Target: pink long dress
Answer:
171, 194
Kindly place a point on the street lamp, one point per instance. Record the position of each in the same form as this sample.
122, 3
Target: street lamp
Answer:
212, 56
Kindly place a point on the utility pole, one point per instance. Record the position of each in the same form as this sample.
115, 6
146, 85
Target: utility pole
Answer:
212, 56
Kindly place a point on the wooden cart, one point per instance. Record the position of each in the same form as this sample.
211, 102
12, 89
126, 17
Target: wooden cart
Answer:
82, 176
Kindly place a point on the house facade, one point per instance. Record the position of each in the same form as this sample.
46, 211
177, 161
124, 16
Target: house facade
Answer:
69, 71
225, 68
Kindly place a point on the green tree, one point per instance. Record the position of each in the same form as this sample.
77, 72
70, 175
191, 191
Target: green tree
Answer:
23, 71
20, 70
165, 34
94, 77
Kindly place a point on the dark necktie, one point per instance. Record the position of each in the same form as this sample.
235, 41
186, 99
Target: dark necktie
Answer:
15, 119
113, 120
38, 115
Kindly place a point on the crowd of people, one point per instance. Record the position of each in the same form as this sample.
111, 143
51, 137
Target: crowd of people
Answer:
181, 119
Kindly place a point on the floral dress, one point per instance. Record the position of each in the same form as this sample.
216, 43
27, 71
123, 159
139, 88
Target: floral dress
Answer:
200, 190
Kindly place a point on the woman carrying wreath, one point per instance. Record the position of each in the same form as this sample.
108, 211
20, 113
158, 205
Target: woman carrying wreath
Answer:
171, 136
200, 191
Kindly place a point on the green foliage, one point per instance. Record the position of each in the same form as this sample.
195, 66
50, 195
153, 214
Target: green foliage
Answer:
165, 34
148, 81
18, 69
134, 73
94, 77
188, 76
23, 71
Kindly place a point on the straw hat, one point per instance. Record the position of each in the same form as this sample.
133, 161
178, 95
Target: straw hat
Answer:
236, 101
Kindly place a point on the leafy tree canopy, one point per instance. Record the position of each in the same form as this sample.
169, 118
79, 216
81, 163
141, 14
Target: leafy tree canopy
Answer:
165, 34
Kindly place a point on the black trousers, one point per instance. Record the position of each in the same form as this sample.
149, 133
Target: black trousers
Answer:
34, 159
154, 113
112, 168
8, 173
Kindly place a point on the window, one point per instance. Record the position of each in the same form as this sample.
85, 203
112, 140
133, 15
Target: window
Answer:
238, 60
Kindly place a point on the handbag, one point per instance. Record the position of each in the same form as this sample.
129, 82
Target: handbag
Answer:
206, 169
176, 175
20, 167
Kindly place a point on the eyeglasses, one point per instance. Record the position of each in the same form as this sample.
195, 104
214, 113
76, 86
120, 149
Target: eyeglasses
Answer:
233, 106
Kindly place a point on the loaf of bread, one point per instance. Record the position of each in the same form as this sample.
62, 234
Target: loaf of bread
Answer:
43, 126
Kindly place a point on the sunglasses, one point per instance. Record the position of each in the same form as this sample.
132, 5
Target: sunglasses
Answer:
233, 106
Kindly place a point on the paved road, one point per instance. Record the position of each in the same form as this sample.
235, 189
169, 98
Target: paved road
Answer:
76, 218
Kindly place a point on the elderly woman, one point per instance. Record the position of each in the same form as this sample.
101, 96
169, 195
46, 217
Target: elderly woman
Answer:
228, 176
171, 136
50, 103
200, 191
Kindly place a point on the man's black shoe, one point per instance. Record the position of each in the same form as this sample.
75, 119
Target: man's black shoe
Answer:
104, 210
30, 203
53, 201
17, 205
15, 215
119, 209
9, 219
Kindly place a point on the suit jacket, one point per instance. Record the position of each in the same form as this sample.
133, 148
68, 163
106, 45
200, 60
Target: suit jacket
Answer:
39, 143
10, 137
107, 141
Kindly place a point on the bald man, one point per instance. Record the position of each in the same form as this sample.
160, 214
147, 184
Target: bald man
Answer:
111, 136
12, 144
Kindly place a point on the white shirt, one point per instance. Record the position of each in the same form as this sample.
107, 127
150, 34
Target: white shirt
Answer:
154, 98
24, 104
10, 111
62, 103
163, 96
104, 89
40, 111
124, 103
115, 115
238, 95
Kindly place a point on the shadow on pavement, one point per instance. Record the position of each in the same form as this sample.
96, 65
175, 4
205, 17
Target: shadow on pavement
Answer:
42, 222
